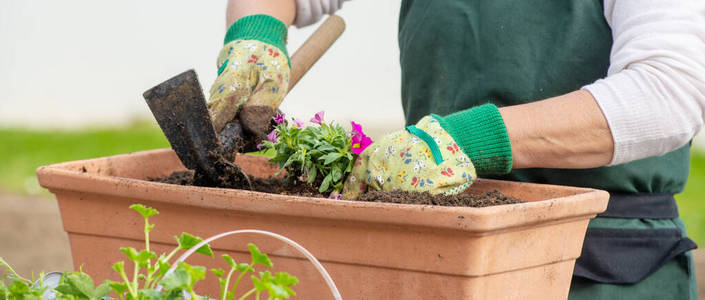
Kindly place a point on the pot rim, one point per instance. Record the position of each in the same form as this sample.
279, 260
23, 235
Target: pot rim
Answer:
573, 203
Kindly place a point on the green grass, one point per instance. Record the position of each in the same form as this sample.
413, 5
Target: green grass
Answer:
23, 150
691, 203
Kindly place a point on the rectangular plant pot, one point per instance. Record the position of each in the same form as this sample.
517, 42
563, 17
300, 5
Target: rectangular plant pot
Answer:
372, 250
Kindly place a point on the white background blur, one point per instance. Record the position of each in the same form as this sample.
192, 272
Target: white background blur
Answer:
75, 63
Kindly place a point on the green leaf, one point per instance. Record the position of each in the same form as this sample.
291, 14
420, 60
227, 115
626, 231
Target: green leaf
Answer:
285, 279
118, 287
145, 211
18, 289
150, 294
164, 266
77, 284
196, 273
130, 252
326, 148
276, 286
229, 259
259, 284
244, 267
330, 157
279, 158
188, 241
177, 280
102, 289
336, 174
259, 258
312, 172
141, 258
218, 272
119, 267
289, 161
324, 185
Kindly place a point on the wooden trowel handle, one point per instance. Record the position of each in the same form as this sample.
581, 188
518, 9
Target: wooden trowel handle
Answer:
314, 47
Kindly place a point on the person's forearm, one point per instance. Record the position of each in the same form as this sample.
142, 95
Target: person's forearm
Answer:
284, 10
567, 131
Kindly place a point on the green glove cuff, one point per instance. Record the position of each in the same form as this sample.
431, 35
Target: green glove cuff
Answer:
481, 134
262, 28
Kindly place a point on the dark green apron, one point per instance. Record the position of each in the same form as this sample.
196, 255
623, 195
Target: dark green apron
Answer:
456, 54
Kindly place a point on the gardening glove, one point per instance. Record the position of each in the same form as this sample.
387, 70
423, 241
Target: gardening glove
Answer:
440, 155
253, 70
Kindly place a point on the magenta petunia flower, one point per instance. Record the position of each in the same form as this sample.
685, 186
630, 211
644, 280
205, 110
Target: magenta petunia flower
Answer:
356, 128
272, 136
360, 141
279, 118
318, 118
298, 123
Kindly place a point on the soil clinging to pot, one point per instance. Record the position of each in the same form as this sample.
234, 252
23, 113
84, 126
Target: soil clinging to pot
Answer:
488, 198
276, 185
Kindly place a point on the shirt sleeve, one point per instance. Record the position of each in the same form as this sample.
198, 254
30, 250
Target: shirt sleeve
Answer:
654, 94
310, 11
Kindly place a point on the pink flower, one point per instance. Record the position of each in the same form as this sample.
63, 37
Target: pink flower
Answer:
298, 123
272, 136
360, 141
279, 118
259, 146
356, 129
335, 196
318, 118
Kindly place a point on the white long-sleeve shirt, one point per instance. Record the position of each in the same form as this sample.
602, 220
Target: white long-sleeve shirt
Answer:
654, 94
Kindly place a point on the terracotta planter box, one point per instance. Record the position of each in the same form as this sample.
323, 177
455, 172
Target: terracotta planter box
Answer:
371, 250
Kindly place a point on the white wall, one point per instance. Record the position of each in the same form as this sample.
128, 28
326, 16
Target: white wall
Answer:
78, 62
83, 62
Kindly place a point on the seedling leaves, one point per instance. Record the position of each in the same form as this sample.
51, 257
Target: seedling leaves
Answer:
258, 257
145, 211
188, 241
229, 259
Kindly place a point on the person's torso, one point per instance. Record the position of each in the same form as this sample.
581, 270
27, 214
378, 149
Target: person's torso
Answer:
456, 54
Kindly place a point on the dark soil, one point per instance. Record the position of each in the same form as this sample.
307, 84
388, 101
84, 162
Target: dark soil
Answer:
227, 174
488, 198
276, 185
248, 129
256, 119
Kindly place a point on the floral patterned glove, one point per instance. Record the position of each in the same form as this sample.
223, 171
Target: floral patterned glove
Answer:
253, 68
421, 158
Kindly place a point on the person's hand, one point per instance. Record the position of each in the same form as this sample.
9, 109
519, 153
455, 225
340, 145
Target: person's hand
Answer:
421, 158
253, 70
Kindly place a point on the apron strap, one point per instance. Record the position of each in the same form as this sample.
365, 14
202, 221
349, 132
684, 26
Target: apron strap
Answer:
641, 206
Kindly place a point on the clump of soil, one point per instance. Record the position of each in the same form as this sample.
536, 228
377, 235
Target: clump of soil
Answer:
247, 130
488, 198
179, 177
276, 185
228, 175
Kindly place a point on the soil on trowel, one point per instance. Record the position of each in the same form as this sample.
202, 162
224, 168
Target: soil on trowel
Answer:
277, 185
228, 174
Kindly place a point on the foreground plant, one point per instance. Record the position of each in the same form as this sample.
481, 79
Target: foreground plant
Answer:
321, 155
151, 278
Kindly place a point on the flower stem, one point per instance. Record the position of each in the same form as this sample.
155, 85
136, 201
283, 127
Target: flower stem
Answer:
133, 292
247, 294
134, 277
237, 281
227, 282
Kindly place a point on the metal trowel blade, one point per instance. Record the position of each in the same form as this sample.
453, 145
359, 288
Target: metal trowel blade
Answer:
180, 108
